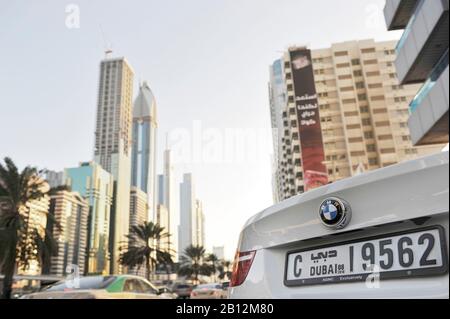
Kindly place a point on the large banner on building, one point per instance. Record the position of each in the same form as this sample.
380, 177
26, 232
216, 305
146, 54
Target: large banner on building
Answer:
312, 150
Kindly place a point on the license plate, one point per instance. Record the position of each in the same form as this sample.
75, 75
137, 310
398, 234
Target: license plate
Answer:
407, 254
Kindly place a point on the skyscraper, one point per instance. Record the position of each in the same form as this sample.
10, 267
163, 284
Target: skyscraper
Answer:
96, 185
138, 216
113, 142
187, 208
165, 198
138, 207
277, 100
70, 211
191, 228
219, 251
198, 223
344, 111
143, 168
168, 182
162, 218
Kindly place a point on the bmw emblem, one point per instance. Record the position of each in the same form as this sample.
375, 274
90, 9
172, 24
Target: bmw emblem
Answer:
335, 213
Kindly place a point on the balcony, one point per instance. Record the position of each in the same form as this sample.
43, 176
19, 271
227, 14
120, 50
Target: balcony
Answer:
428, 122
424, 41
398, 13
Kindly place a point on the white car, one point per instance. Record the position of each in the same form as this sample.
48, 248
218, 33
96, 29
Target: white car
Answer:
208, 291
382, 234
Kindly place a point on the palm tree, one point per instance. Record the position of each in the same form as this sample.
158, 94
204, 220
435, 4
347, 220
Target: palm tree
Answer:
193, 263
224, 269
21, 244
214, 262
142, 248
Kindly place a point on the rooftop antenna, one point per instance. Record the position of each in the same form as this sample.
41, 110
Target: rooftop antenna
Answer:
107, 45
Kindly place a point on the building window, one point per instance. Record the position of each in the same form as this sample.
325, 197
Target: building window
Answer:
377, 98
353, 126
345, 77
374, 73
373, 161
362, 97
366, 122
360, 85
364, 109
385, 137
342, 65
387, 150
319, 71
382, 123
369, 62
341, 53
368, 50
368, 135
371, 148
356, 62
375, 86
347, 89
357, 73
348, 101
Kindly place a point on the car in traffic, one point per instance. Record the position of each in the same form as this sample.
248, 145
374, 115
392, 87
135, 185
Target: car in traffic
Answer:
208, 291
102, 287
182, 290
167, 292
380, 234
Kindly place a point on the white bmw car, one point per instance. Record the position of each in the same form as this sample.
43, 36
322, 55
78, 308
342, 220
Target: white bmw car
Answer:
382, 234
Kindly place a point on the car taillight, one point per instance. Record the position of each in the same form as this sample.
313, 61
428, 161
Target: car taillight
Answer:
242, 263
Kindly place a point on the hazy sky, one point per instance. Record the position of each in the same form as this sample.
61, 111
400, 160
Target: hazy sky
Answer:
206, 61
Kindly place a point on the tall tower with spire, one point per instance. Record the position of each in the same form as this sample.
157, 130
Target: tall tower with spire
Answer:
143, 158
113, 145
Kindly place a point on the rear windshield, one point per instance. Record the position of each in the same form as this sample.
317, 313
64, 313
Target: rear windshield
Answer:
97, 282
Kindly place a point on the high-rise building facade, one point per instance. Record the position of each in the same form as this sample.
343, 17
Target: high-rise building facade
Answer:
198, 222
54, 179
165, 198
138, 216
277, 99
143, 167
187, 209
113, 143
192, 225
96, 185
422, 57
69, 227
344, 111
162, 219
219, 251
138, 207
